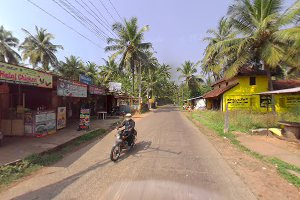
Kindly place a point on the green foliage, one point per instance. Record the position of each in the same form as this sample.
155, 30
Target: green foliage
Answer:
215, 122
7, 43
39, 49
258, 33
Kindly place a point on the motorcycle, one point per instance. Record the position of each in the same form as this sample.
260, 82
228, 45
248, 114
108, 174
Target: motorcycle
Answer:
121, 144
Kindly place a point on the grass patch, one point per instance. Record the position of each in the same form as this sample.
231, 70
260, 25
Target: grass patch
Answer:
215, 121
10, 173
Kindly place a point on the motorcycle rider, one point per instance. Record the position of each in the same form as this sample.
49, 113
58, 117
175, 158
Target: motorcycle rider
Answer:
129, 128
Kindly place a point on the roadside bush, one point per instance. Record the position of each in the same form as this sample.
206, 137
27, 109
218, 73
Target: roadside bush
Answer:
241, 120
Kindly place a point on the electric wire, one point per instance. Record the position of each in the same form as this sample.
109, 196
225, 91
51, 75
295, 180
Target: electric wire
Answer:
71, 28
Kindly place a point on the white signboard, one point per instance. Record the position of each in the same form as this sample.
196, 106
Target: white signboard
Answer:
114, 86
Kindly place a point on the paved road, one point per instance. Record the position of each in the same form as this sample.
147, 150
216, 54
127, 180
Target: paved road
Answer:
172, 160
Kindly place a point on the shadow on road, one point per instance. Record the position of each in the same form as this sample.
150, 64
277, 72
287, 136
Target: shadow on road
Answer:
50, 191
144, 147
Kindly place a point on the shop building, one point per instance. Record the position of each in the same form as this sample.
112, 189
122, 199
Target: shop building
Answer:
25, 96
242, 92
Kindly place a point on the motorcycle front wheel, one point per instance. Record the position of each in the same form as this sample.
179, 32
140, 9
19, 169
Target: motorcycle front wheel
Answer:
115, 153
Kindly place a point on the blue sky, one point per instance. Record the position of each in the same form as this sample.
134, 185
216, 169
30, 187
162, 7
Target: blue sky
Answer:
177, 28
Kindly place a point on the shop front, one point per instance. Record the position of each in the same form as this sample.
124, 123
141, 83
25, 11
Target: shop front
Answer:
97, 99
69, 98
26, 106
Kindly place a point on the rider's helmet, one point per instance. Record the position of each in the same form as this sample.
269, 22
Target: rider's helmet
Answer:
128, 116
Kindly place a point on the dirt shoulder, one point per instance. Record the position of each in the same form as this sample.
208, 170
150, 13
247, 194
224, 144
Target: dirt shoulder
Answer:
261, 178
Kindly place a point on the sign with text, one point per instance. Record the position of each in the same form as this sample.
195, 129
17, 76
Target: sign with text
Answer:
238, 101
85, 79
71, 88
265, 101
61, 117
96, 90
26, 76
84, 118
115, 87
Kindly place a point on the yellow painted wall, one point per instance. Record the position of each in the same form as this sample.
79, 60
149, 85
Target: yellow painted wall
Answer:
287, 102
240, 97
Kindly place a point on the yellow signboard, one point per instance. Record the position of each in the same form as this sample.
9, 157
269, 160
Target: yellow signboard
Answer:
22, 75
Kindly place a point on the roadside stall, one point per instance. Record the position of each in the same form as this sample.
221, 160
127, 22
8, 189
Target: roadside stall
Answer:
70, 97
26, 107
97, 100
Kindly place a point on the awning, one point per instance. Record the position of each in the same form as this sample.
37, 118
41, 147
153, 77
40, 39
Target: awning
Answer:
285, 91
218, 91
200, 97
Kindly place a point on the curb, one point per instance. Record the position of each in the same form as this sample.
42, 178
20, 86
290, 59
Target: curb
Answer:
60, 146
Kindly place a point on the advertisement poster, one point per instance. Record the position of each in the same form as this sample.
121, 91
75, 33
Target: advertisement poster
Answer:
265, 101
85, 79
45, 123
96, 90
84, 119
22, 75
71, 88
61, 117
115, 87
238, 101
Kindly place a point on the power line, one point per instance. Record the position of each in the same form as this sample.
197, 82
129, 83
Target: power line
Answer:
108, 29
107, 11
76, 18
64, 24
85, 19
115, 9
99, 12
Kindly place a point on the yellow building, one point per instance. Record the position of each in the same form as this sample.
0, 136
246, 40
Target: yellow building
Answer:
242, 92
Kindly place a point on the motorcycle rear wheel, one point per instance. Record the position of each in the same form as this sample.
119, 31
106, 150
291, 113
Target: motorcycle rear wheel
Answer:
115, 153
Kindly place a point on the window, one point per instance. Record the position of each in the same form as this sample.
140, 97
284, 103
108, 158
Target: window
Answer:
252, 80
226, 83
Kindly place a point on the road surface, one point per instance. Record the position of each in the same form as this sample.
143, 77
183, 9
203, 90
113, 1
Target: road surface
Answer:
172, 160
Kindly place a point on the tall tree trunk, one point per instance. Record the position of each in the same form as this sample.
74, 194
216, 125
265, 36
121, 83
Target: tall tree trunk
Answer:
270, 86
133, 76
140, 86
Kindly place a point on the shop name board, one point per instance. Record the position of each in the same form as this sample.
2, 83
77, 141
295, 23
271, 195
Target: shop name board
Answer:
239, 101
71, 89
85, 79
293, 100
21, 75
96, 90
114, 86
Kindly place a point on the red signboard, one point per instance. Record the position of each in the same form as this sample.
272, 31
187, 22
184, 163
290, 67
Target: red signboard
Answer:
96, 90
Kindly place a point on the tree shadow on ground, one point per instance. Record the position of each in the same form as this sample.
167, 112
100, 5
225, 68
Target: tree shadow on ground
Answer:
142, 148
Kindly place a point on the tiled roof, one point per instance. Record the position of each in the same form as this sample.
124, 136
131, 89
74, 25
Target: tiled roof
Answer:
244, 71
218, 91
286, 84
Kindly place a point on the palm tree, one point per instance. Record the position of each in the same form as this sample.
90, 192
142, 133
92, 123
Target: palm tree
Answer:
7, 43
91, 70
110, 71
39, 49
266, 37
71, 68
129, 45
156, 80
212, 63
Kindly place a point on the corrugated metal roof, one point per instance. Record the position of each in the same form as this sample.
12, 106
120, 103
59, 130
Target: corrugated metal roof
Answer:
291, 90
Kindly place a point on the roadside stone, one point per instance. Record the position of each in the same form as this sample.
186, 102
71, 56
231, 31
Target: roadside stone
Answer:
260, 131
